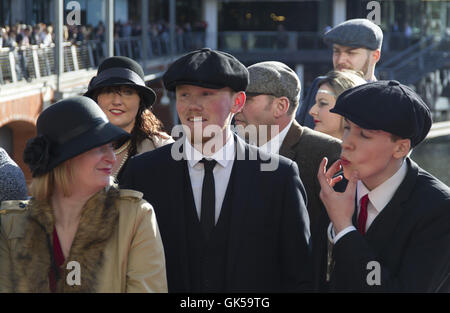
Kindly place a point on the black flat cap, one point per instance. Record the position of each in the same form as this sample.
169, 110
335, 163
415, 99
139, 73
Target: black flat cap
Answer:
388, 106
207, 68
358, 33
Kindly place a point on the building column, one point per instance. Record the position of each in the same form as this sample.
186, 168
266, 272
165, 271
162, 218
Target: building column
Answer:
59, 40
210, 11
145, 34
172, 26
339, 11
109, 28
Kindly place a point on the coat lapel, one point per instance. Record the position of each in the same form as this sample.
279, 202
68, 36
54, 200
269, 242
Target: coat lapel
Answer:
98, 222
32, 262
292, 138
180, 182
385, 223
34, 257
243, 176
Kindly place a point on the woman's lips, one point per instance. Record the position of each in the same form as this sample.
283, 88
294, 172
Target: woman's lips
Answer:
107, 171
344, 161
316, 121
116, 112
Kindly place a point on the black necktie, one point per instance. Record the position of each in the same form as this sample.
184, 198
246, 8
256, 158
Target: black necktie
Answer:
207, 214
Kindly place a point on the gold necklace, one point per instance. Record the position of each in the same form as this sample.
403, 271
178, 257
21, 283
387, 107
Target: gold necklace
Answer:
122, 148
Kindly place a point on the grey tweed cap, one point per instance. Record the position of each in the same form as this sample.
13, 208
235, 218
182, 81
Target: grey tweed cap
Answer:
358, 32
273, 78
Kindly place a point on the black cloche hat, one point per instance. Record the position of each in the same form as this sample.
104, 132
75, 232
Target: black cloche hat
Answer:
117, 71
66, 129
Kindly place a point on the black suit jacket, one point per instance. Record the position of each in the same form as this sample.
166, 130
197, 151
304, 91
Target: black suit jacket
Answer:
268, 244
409, 239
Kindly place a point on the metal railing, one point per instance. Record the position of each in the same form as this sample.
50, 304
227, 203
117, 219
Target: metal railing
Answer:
412, 64
36, 62
424, 42
33, 62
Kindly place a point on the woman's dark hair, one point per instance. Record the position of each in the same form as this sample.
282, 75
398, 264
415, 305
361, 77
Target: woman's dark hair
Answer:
146, 126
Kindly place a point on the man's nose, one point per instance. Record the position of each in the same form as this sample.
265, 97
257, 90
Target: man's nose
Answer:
194, 106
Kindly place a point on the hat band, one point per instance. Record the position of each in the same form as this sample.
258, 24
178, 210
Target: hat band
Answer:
119, 72
63, 138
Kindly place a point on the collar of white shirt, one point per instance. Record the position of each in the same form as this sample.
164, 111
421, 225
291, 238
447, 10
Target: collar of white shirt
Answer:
223, 156
379, 198
381, 195
274, 144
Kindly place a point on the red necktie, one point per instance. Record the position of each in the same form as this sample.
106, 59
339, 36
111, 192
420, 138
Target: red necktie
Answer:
362, 218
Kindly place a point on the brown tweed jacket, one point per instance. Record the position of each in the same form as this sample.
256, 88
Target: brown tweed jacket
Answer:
307, 147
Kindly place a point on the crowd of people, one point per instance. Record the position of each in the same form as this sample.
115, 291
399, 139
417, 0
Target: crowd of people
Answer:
22, 35
19, 37
344, 208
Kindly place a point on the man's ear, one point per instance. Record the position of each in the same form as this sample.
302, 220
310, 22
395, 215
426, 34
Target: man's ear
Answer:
375, 55
402, 147
281, 106
238, 102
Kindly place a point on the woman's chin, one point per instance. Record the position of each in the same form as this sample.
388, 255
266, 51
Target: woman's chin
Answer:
347, 173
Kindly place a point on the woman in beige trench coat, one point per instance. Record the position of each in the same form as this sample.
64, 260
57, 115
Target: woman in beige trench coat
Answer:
78, 232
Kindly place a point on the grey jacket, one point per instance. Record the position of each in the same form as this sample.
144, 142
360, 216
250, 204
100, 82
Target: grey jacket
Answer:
12, 180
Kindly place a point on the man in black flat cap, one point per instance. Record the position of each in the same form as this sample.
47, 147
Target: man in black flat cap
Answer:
356, 45
390, 229
232, 218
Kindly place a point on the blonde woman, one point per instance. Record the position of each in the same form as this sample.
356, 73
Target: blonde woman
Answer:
78, 232
334, 83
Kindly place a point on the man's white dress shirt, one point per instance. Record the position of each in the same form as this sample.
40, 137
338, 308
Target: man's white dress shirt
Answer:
222, 172
378, 199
